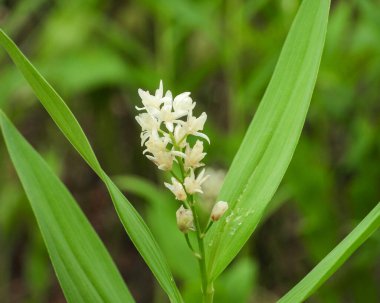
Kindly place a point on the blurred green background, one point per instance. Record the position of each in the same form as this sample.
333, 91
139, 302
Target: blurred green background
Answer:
97, 53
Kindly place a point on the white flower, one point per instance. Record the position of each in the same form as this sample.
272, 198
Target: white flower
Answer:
183, 105
192, 184
156, 144
151, 103
218, 211
148, 122
185, 219
149, 125
180, 135
167, 116
163, 160
195, 125
177, 189
194, 156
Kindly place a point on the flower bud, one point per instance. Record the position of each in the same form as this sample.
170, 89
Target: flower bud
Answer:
185, 220
218, 210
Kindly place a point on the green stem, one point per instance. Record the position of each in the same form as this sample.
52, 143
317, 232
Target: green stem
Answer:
183, 138
209, 224
188, 242
191, 246
207, 289
175, 176
209, 296
180, 161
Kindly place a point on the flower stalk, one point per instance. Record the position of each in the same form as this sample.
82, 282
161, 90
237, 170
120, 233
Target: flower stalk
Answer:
167, 123
202, 259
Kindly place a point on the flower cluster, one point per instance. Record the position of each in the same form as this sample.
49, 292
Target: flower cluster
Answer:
167, 123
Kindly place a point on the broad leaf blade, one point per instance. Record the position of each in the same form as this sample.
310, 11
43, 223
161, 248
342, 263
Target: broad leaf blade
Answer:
270, 141
334, 259
135, 226
83, 266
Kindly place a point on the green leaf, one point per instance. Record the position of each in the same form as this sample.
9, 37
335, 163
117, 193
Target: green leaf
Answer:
160, 218
83, 266
135, 226
309, 284
270, 141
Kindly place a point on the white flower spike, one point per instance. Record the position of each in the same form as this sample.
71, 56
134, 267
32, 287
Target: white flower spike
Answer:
168, 126
166, 123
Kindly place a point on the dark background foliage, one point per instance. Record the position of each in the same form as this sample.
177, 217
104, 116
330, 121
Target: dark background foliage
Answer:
97, 53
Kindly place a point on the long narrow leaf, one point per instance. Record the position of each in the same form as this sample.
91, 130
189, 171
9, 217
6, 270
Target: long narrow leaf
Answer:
269, 144
160, 219
65, 120
83, 266
308, 285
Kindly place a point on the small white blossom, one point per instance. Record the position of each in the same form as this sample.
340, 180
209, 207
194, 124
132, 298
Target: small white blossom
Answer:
163, 160
183, 104
185, 219
194, 156
149, 126
194, 125
192, 184
148, 122
218, 211
180, 135
151, 103
156, 144
177, 189
167, 116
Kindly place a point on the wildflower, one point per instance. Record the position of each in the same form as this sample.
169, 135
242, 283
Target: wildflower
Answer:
166, 124
149, 126
168, 116
177, 189
192, 184
148, 122
183, 104
163, 160
194, 156
218, 211
195, 125
151, 103
180, 136
156, 144
165, 143
185, 219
